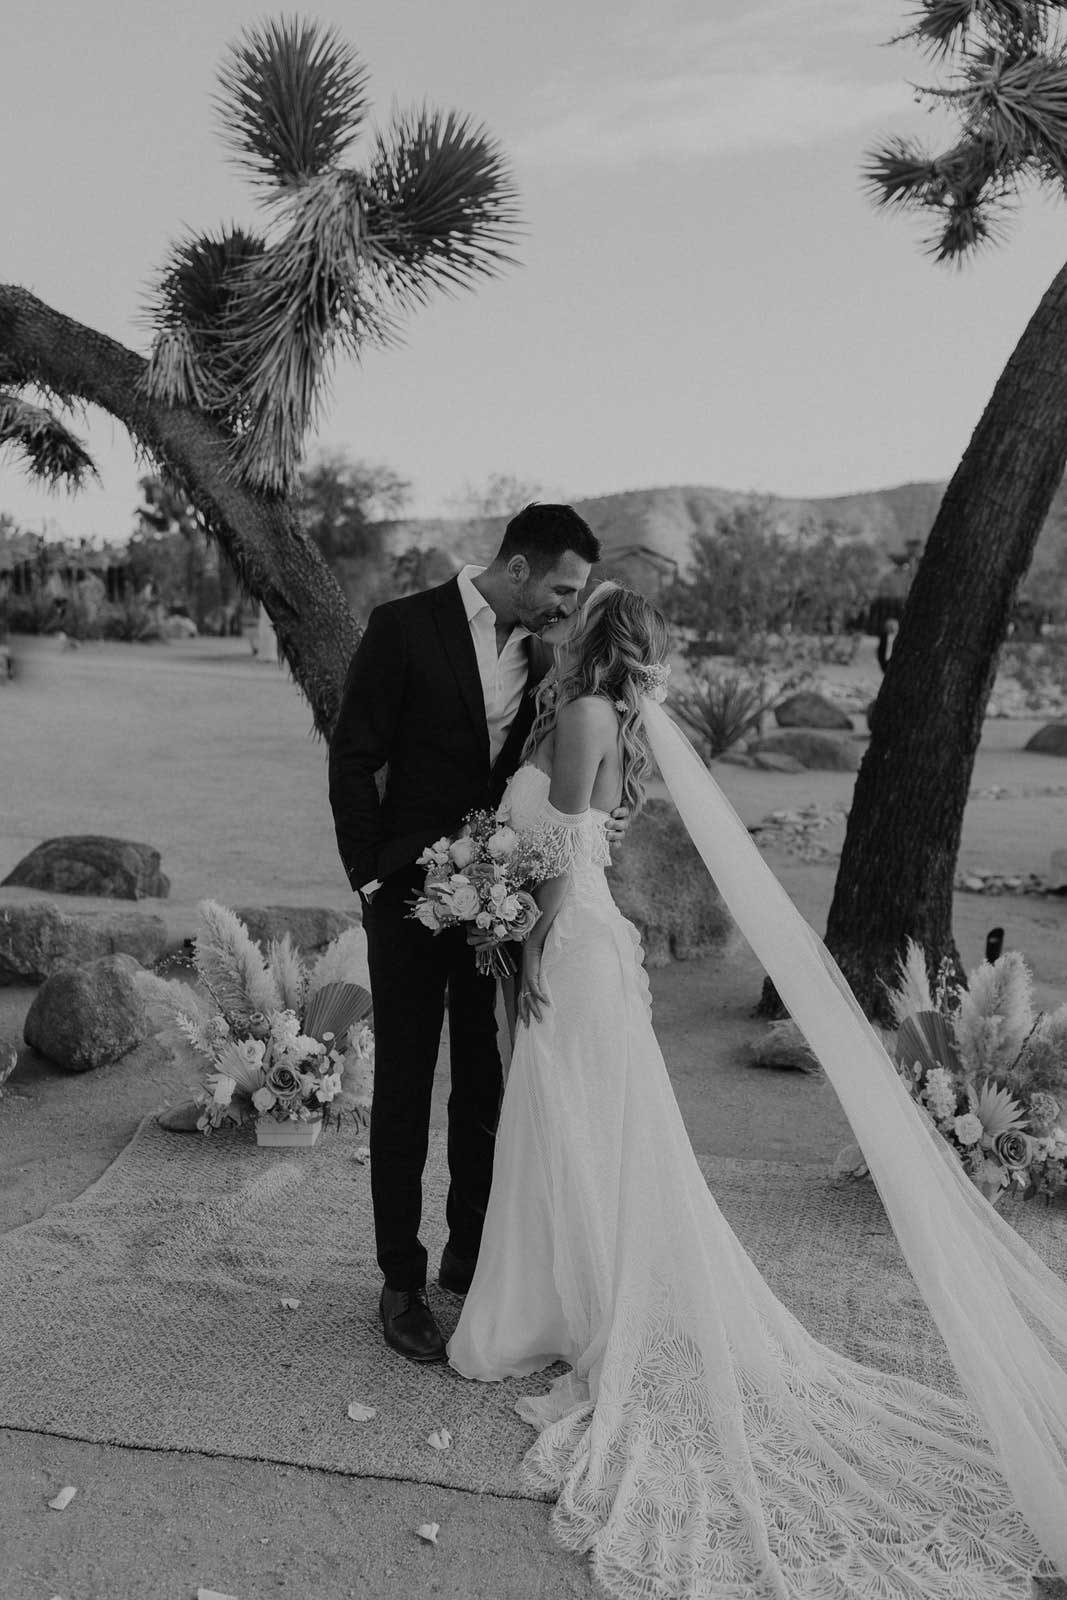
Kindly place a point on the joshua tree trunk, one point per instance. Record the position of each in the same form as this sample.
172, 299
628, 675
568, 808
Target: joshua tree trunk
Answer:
899, 859
259, 533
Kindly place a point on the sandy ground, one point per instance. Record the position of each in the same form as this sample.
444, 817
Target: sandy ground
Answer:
208, 755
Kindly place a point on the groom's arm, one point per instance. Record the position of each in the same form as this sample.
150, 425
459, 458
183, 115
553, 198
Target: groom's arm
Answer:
362, 742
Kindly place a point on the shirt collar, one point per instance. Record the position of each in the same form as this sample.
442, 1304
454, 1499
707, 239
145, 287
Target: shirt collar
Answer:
474, 602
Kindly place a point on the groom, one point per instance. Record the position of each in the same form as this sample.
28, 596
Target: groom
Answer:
440, 694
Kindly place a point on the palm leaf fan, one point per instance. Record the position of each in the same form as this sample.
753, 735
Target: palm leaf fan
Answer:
926, 1037
335, 1008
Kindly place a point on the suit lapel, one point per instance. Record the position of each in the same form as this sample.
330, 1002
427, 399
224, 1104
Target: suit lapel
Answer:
454, 630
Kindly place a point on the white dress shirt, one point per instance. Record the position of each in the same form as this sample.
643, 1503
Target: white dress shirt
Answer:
503, 674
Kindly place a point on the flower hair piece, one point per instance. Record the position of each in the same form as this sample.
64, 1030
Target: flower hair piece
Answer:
652, 681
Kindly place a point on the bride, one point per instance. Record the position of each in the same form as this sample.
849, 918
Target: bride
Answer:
702, 1443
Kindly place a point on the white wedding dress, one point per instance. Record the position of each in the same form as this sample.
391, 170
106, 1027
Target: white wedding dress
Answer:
702, 1443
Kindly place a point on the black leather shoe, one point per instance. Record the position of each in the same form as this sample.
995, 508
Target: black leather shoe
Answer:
408, 1324
456, 1271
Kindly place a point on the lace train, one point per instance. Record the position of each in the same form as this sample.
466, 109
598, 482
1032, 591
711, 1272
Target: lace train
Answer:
702, 1443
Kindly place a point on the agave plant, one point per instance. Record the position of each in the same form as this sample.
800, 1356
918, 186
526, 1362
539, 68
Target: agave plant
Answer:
247, 325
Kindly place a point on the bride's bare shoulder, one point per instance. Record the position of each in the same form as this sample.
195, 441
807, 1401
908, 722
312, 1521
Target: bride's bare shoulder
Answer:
590, 716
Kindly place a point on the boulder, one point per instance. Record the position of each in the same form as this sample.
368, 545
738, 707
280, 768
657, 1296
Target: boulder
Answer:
777, 761
812, 747
661, 884
311, 928
86, 1017
1057, 871
1051, 740
806, 709
37, 938
90, 863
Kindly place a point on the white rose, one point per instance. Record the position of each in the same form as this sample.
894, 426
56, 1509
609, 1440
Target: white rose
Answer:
968, 1128
461, 851
509, 908
465, 902
502, 843
264, 1099
428, 914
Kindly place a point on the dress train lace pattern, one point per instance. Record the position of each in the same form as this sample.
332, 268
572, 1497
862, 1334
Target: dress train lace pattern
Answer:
702, 1444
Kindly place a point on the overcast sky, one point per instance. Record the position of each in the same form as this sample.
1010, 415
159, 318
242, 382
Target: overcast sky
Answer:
705, 295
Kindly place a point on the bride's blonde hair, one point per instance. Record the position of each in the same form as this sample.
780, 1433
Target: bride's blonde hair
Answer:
619, 637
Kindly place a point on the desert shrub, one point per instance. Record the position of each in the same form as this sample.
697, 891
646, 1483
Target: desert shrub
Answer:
133, 620
722, 708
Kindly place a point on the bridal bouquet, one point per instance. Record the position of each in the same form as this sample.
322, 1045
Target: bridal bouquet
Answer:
282, 1040
990, 1075
481, 879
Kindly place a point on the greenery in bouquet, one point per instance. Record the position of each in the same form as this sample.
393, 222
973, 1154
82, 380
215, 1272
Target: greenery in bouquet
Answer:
989, 1073
282, 1039
480, 879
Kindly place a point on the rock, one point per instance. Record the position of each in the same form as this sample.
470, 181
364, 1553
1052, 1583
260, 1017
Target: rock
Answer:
1057, 871
817, 750
1051, 740
86, 1017
92, 864
777, 761
37, 938
806, 709
661, 884
311, 928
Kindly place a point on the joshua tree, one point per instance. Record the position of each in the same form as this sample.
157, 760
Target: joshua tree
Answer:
247, 325
1008, 90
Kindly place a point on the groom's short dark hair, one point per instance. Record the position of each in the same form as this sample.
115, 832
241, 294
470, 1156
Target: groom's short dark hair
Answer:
542, 533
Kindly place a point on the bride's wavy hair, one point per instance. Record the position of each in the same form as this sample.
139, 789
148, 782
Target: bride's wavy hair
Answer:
620, 635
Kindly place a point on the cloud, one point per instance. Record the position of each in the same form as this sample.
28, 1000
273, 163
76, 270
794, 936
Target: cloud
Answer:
701, 116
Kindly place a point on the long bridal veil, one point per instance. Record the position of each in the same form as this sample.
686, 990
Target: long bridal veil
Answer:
1001, 1312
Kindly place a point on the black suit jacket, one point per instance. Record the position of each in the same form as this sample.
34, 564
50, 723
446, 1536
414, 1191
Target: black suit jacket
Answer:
413, 704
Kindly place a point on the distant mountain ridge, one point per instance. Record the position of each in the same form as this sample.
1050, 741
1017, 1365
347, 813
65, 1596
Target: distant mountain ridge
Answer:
665, 520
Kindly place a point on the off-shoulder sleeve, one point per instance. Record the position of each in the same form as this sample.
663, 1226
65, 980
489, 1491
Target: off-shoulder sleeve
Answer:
565, 840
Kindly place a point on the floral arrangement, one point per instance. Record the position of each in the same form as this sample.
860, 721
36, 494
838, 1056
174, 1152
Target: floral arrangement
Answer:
990, 1075
481, 879
283, 1040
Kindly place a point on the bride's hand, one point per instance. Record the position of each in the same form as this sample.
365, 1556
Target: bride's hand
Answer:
617, 824
531, 998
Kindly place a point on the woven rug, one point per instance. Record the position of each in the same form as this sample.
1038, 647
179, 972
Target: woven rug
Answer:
148, 1312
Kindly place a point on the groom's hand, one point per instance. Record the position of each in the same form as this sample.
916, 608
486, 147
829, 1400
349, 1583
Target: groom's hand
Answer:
617, 825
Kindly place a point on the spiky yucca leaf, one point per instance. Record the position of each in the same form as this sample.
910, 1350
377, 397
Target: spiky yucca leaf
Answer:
288, 971
911, 991
305, 295
445, 204
336, 1007
344, 960
292, 95
193, 359
229, 961
942, 26
52, 453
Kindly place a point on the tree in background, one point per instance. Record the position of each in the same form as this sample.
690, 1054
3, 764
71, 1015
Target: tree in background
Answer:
172, 552
247, 324
1008, 92
342, 505
747, 578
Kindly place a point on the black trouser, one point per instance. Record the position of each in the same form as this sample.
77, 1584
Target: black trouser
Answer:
411, 970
